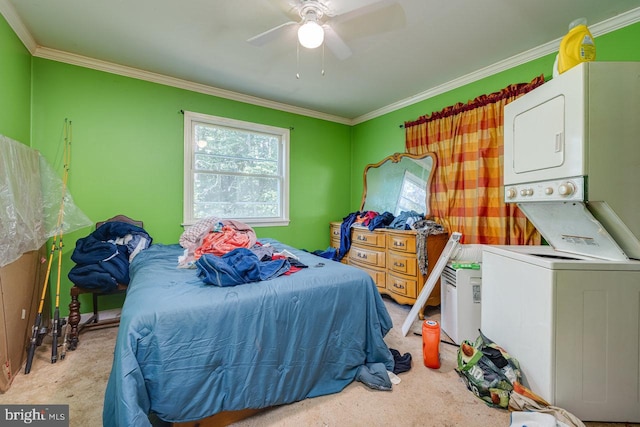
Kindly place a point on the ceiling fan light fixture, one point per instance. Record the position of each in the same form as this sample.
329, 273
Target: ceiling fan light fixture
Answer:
310, 34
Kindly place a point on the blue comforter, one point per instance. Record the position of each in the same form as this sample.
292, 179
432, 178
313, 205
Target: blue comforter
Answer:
186, 350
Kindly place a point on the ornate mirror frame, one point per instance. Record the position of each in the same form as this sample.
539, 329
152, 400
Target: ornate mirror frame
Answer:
399, 182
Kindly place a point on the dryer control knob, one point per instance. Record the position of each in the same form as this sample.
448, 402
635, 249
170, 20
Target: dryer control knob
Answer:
511, 193
548, 190
566, 188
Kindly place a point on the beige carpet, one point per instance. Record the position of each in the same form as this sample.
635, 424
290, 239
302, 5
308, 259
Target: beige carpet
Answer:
424, 397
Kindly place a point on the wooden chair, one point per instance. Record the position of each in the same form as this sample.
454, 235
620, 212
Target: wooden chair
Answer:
74, 306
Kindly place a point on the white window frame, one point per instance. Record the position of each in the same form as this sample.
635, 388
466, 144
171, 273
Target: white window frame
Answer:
415, 180
190, 119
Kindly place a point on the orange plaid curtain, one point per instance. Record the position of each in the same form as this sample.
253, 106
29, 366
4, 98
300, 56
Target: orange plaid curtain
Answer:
467, 192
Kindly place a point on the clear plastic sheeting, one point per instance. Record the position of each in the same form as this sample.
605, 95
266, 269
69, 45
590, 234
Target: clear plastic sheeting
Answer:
21, 224
73, 218
30, 201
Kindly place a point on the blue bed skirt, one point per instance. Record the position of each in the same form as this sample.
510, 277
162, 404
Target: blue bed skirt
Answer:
186, 350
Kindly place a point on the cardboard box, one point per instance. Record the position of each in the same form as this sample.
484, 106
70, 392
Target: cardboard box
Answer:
21, 285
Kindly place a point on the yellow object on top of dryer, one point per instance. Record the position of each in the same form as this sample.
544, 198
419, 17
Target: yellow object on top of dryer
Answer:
576, 46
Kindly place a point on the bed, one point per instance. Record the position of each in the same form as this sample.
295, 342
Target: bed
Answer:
186, 350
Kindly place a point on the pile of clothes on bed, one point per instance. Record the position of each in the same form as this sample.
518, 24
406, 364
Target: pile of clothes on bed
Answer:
102, 258
227, 253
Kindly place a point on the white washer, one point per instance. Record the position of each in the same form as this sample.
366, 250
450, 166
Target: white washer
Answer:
572, 322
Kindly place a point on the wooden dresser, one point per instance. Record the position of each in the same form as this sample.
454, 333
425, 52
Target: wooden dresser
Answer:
390, 257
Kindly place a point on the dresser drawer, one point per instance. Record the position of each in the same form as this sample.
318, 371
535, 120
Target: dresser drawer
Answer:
390, 257
363, 256
334, 230
402, 263
362, 236
378, 276
402, 286
334, 234
402, 242
334, 243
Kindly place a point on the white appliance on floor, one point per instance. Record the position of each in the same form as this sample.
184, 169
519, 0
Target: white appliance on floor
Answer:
461, 290
572, 323
569, 312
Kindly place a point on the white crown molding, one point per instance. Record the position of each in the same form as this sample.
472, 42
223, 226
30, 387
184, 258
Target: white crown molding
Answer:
623, 20
9, 13
598, 29
109, 67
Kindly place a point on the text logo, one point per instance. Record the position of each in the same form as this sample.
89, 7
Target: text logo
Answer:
34, 415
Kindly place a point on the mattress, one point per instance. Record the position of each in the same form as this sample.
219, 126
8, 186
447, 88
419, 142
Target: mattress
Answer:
186, 350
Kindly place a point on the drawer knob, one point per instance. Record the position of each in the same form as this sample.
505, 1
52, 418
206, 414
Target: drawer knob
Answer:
362, 238
395, 285
361, 255
398, 264
398, 244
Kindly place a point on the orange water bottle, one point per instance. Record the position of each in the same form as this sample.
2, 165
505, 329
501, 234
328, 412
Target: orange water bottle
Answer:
431, 344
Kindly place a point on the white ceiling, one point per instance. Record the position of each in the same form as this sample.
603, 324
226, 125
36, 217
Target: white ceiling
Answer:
404, 51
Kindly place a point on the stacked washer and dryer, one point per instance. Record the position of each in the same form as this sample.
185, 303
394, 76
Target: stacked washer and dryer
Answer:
570, 311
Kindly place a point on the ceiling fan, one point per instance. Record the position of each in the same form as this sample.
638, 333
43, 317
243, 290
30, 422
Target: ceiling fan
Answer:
314, 24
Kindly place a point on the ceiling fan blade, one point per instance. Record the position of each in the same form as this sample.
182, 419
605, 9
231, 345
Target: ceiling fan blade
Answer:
350, 10
376, 18
281, 30
335, 43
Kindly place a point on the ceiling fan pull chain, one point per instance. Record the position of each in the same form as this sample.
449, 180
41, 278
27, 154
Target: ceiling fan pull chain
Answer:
322, 71
298, 60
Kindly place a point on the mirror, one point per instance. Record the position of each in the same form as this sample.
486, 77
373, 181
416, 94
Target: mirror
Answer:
398, 183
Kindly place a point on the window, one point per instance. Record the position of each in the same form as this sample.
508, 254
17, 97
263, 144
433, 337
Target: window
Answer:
235, 170
413, 194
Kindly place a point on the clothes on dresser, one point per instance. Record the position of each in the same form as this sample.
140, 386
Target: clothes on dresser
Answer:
381, 221
405, 220
424, 228
371, 219
365, 217
345, 234
429, 226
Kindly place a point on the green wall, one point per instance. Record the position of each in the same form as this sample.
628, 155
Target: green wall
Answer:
128, 135
382, 136
15, 85
127, 153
